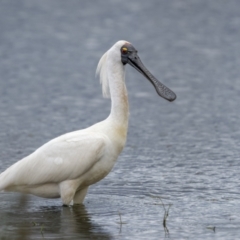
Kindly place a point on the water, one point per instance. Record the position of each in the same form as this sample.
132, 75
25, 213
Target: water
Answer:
185, 153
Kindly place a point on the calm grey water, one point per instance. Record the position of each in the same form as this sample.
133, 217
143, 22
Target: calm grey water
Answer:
184, 153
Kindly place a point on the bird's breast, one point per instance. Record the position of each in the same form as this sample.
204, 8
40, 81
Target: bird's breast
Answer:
118, 138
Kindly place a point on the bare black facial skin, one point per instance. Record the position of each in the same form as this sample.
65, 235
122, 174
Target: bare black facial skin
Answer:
129, 55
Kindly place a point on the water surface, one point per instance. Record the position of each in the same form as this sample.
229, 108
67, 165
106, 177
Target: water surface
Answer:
185, 153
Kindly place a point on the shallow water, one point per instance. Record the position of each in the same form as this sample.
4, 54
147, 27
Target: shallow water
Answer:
185, 153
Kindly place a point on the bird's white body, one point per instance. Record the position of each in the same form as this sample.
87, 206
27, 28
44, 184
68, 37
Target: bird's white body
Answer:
65, 166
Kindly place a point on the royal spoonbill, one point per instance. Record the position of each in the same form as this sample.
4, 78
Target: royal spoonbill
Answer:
66, 166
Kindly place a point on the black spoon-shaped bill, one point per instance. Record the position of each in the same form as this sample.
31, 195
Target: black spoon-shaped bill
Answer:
129, 55
162, 90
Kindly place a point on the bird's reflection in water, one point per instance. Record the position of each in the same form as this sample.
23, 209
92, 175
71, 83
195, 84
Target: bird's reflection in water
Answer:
71, 222
22, 221
76, 220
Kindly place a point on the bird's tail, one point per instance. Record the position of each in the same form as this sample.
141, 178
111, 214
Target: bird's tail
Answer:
3, 181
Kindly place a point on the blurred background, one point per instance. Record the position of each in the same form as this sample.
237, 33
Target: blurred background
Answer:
184, 153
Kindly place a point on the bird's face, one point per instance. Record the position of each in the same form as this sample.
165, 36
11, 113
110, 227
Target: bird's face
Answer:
129, 55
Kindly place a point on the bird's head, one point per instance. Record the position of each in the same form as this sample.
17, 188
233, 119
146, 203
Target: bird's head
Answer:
127, 54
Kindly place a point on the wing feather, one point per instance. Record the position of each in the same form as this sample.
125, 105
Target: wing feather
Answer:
64, 158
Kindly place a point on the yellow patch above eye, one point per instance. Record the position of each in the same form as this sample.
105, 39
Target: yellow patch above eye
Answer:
124, 49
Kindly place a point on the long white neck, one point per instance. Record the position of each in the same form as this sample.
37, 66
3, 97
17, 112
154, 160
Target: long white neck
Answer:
119, 109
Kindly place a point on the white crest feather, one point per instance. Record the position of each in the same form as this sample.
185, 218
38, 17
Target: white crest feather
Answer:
102, 72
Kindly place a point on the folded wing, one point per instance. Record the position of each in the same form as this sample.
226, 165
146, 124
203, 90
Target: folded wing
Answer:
66, 157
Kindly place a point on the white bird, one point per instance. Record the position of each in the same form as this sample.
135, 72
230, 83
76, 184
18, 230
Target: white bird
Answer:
66, 166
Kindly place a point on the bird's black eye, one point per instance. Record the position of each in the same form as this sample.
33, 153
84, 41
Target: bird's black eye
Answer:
124, 50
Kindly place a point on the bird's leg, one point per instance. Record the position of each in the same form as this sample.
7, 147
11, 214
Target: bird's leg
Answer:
67, 192
80, 195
